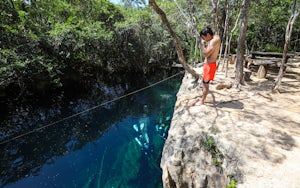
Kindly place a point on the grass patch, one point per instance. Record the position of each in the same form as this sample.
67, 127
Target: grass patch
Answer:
211, 146
232, 184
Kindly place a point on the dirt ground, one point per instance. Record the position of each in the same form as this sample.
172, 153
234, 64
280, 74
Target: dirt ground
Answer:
265, 127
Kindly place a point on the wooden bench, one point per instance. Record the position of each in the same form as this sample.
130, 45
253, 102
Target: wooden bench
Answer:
264, 60
254, 54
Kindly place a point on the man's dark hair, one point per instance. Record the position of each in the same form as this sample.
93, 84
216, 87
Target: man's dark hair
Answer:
206, 31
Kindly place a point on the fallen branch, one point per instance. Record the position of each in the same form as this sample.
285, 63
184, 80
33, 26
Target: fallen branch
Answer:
270, 99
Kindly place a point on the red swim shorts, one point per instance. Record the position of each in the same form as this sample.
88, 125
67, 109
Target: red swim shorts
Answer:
209, 70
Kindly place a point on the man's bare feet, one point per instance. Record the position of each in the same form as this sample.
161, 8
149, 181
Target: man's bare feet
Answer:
199, 103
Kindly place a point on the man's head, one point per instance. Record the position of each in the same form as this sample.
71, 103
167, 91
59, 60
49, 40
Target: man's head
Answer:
206, 34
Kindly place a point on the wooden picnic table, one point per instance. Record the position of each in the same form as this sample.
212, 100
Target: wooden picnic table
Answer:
254, 54
265, 59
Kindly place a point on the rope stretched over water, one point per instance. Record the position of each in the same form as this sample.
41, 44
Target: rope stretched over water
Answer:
93, 108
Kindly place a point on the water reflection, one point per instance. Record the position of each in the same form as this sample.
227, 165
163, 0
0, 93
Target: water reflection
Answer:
116, 145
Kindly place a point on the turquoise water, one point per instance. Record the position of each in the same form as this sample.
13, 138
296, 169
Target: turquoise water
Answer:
116, 145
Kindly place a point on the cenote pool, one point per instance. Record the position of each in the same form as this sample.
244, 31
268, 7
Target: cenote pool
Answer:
118, 144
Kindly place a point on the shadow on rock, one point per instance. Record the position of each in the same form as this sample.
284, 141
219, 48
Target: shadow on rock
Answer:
230, 104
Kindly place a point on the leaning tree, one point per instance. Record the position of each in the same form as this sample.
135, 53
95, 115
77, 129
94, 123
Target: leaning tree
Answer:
181, 57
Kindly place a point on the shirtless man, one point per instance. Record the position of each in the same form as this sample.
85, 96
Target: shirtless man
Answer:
211, 46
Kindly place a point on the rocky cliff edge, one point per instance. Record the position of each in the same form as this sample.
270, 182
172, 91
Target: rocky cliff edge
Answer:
247, 137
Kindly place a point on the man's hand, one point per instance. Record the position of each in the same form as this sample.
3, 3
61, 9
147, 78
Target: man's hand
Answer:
203, 42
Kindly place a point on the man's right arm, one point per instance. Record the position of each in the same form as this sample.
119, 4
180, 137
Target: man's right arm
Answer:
208, 50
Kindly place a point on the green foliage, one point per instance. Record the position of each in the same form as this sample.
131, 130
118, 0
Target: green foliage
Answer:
42, 39
51, 39
211, 146
144, 37
267, 23
272, 48
232, 184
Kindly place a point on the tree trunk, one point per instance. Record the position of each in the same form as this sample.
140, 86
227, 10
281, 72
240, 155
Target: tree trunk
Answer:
232, 31
225, 35
175, 38
288, 33
239, 78
215, 4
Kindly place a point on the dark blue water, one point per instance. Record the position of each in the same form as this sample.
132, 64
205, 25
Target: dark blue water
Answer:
115, 145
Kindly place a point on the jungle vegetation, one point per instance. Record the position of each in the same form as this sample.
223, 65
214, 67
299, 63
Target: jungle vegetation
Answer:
47, 45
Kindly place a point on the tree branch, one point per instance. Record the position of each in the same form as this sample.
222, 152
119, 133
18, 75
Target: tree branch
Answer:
180, 54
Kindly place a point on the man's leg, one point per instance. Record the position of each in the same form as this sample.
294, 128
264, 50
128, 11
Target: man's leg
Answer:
205, 92
205, 89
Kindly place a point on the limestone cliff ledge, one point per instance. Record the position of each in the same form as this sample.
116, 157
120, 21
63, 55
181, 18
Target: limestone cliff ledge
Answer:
185, 161
243, 129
